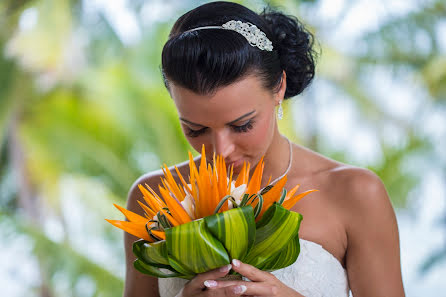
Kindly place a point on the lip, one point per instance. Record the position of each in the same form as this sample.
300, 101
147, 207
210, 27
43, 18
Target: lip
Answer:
236, 163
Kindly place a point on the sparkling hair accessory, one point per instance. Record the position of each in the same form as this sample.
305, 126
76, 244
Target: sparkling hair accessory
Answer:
253, 34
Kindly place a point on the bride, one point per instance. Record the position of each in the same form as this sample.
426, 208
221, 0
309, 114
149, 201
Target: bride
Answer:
227, 68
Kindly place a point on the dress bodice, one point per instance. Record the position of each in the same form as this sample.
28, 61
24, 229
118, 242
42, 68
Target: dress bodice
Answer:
316, 273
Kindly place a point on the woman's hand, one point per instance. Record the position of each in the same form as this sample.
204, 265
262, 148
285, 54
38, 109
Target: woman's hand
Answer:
198, 286
262, 283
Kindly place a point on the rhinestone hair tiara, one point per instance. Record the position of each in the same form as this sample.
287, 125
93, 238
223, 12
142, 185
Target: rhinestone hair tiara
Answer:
253, 34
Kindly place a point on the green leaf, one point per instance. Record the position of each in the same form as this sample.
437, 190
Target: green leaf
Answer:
222, 202
154, 271
235, 229
193, 249
277, 227
259, 206
152, 253
282, 198
283, 258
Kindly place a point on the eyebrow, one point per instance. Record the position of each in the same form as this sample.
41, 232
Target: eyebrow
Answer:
230, 123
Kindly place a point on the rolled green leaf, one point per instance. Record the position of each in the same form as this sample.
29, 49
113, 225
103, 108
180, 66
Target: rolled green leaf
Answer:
211, 242
235, 229
193, 249
152, 253
283, 258
277, 227
155, 271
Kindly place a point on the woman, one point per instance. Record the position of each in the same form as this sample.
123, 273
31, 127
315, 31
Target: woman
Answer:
226, 81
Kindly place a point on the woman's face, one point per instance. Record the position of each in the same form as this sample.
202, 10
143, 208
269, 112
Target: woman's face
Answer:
237, 122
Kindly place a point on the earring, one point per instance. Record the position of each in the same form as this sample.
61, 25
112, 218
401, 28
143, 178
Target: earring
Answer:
280, 111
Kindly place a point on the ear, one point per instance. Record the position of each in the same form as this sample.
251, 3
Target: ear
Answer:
281, 90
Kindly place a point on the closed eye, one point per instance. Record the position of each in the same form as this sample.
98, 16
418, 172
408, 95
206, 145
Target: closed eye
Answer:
243, 128
238, 129
195, 133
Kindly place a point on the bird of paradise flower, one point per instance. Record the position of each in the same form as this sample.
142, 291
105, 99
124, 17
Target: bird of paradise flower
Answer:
207, 192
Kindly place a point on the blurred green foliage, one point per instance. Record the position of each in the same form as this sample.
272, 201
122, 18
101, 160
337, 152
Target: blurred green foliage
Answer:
83, 114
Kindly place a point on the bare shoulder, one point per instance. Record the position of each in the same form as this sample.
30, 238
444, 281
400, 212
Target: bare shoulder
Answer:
363, 199
356, 179
372, 254
359, 188
357, 195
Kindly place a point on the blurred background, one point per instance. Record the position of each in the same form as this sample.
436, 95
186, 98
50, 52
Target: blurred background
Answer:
84, 112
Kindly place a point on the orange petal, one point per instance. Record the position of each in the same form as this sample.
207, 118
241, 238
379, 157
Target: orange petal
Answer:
231, 171
175, 208
256, 179
291, 192
177, 191
157, 199
170, 218
192, 166
151, 200
138, 230
150, 213
160, 234
203, 166
131, 216
204, 187
273, 195
241, 176
183, 181
292, 201
222, 177
215, 198
246, 178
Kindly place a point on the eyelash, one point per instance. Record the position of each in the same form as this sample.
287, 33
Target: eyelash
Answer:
238, 129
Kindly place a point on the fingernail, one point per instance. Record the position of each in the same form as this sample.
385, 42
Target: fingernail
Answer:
236, 262
240, 289
210, 283
226, 268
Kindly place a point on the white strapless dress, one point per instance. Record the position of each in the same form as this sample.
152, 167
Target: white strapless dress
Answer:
316, 273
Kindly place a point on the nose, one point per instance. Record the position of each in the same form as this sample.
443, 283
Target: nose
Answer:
223, 144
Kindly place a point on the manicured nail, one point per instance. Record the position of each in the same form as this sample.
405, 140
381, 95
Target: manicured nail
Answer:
236, 262
226, 268
210, 283
240, 289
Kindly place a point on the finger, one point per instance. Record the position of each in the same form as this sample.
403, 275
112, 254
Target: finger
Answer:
199, 279
251, 272
252, 288
236, 290
260, 289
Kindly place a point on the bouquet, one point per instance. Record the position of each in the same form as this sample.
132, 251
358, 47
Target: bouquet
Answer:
201, 225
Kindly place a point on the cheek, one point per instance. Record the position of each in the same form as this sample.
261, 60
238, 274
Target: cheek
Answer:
197, 142
259, 139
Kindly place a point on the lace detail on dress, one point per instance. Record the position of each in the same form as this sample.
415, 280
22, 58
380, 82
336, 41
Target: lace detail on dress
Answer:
316, 273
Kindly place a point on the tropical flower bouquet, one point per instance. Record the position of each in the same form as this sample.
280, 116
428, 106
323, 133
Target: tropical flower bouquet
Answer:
201, 225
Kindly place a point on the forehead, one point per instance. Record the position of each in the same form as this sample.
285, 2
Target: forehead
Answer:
227, 104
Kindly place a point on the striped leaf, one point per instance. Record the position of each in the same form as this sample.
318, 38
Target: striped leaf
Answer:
277, 227
235, 229
193, 249
152, 253
284, 257
155, 271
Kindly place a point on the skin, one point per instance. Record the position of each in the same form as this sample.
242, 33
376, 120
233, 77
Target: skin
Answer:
350, 216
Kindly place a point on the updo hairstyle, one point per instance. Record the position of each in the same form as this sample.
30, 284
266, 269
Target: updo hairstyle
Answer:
207, 59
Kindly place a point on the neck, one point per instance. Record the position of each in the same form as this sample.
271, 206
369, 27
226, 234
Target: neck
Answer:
276, 158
